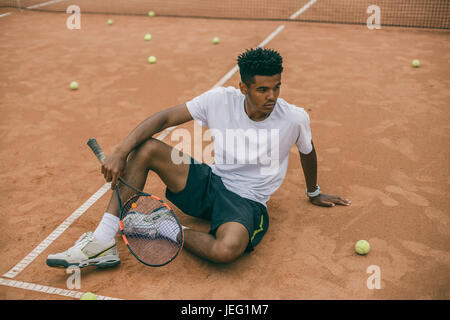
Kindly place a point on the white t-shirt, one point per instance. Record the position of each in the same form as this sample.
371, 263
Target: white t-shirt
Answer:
250, 156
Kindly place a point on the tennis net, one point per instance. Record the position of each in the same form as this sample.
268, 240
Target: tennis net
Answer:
401, 13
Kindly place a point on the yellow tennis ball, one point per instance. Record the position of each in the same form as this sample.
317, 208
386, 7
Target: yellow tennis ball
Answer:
88, 296
110, 22
416, 63
152, 59
362, 247
151, 13
216, 40
134, 205
74, 85
148, 37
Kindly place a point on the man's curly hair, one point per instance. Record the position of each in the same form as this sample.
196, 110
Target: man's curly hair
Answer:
258, 61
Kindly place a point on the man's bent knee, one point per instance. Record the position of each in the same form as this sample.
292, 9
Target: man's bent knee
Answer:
231, 242
156, 152
226, 253
155, 155
148, 151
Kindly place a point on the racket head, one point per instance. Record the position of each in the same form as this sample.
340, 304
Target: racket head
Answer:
151, 230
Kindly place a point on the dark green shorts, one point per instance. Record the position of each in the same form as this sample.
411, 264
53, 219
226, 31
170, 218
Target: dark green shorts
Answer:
206, 197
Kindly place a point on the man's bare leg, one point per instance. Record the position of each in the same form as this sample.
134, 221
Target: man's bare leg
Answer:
230, 242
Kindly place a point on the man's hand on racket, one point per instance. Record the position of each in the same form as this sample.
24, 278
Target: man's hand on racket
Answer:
329, 200
113, 168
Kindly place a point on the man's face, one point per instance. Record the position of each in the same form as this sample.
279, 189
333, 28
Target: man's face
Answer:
263, 93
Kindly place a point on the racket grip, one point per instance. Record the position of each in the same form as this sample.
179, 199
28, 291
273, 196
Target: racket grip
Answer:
93, 144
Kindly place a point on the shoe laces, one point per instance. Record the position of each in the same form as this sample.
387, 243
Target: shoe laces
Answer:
81, 242
85, 237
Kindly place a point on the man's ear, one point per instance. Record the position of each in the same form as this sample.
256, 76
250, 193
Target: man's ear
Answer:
243, 87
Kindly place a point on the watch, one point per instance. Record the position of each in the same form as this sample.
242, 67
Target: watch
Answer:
314, 193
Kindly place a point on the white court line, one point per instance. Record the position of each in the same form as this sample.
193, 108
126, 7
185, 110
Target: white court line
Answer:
55, 234
226, 77
302, 9
49, 290
44, 4
35, 6
271, 36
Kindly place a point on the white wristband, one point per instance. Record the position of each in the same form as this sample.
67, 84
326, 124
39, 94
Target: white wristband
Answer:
314, 193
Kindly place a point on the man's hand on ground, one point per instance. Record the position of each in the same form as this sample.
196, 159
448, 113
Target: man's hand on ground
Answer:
329, 200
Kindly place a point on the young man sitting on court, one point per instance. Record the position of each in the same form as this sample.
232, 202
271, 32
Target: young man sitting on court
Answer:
233, 192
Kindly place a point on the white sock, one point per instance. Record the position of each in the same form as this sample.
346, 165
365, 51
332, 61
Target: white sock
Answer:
169, 229
107, 228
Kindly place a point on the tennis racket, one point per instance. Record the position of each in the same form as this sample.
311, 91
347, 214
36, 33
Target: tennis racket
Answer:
149, 227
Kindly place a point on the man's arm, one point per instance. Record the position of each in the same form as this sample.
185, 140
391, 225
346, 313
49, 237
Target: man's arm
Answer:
309, 166
115, 163
156, 123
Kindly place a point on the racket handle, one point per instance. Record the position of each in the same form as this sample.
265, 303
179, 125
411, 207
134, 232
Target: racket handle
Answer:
93, 144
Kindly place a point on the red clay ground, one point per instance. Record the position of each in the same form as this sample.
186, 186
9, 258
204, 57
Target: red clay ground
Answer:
380, 127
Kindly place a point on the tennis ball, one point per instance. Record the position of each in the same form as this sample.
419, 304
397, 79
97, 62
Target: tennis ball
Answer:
110, 22
151, 13
216, 40
152, 59
416, 63
362, 247
148, 37
88, 296
74, 85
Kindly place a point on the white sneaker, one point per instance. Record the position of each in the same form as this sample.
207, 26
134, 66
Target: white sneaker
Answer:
136, 223
87, 251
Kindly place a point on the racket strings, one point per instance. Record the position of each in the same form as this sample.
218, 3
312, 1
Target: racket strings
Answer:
153, 233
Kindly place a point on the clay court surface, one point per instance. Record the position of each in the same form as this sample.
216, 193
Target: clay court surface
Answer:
381, 129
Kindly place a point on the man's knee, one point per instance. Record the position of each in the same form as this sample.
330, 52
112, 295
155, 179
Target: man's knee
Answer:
227, 254
231, 241
147, 151
226, 251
